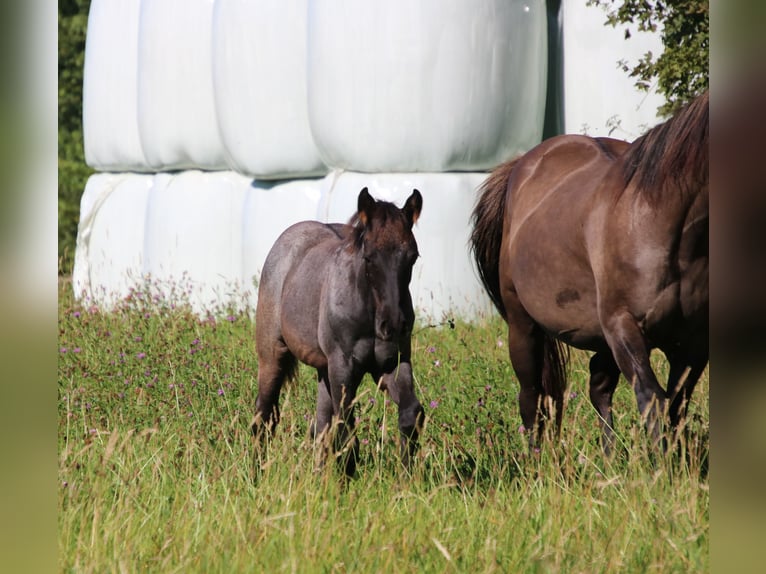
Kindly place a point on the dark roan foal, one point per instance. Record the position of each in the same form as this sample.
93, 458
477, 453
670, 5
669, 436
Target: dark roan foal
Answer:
336, 297
602, 245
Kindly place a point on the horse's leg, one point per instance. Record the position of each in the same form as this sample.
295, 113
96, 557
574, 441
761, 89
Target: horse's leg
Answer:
685, 370
631, 352
411, 414
604, 374
344, 381
525, 349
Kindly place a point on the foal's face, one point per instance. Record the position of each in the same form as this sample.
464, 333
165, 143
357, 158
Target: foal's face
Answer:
389, 251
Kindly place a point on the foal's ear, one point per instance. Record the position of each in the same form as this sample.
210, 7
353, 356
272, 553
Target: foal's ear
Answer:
412, 207
365, 205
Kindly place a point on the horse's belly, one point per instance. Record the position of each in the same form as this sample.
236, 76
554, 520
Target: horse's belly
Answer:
566, 311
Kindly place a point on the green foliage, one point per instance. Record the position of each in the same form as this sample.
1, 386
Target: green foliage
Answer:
681, 71
72, 171
156, 463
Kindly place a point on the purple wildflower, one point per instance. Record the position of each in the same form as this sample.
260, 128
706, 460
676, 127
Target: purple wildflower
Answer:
220, 392
76, 350
141, 355
62, 350
431, 349
433, 404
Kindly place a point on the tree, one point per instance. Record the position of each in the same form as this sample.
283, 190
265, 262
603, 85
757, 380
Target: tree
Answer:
681, 71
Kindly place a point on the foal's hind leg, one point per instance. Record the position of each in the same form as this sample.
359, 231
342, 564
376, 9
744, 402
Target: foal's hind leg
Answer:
604, 374
274, 365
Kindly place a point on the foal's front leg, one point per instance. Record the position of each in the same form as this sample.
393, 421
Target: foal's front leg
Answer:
321, 426
344, 378
398, 382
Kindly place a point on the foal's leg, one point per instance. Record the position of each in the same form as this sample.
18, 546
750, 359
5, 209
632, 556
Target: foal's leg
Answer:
411, 413
631, 352
324, 405
344, 378
323, 421
274, 364
604, 374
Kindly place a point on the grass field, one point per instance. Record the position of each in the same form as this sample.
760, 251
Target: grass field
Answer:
156, 470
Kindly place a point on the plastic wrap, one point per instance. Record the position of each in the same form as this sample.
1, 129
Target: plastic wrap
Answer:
193, 237
110, 96
259, 72
109, 256
434, 85
176, 105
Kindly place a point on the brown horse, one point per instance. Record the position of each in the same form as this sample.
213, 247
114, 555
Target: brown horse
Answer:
336, 297
602, 245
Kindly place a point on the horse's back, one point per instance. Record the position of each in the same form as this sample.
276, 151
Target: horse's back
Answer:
554, 195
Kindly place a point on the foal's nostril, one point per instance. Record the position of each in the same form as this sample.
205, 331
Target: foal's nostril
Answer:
385, 330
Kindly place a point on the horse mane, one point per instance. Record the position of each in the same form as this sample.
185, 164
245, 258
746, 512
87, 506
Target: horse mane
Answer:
674, 152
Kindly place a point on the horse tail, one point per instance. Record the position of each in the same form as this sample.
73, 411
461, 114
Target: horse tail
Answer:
488, 216
555, 359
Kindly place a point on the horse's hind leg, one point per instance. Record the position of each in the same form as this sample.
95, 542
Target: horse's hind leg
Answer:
525, 349
604, 374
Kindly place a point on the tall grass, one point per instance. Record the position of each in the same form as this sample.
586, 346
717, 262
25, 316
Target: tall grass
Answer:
156, 463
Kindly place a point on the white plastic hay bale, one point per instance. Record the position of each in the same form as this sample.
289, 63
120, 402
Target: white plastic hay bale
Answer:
108, 260
193, 238
110, 107
434, 85
270, 208
444, 280
176, 108
259, 73
600, 99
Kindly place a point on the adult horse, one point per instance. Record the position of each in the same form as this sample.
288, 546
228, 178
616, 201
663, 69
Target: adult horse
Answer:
602, 245
336, 297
